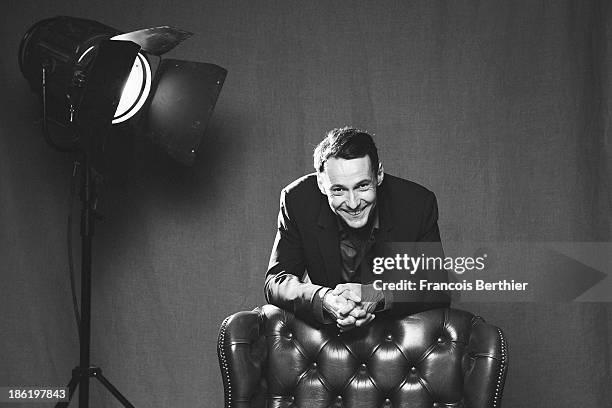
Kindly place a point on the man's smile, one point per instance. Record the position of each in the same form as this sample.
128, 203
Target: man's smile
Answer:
357, 212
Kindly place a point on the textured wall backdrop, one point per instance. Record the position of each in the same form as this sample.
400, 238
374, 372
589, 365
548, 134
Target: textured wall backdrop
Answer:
499, 107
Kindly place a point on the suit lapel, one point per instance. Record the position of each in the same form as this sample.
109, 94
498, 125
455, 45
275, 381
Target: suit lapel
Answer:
385, 217
384, 238
329, 244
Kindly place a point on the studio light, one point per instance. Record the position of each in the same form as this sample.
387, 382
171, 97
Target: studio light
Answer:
57, 55
65, 48
89, 77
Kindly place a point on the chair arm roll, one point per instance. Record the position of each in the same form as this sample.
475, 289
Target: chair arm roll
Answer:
485, 364
241, 346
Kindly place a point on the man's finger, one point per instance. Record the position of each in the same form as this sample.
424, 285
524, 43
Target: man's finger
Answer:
364, 321
341, 287
351, 295
347, 321
358, 312
346, 307
349, 291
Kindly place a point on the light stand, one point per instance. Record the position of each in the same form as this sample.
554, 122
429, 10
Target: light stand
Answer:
82, 373
108, 74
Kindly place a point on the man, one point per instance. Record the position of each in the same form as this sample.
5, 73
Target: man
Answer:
332, 224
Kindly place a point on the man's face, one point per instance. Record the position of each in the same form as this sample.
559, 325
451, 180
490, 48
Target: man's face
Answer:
350, 187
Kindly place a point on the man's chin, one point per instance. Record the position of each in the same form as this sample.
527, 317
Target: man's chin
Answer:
356, 223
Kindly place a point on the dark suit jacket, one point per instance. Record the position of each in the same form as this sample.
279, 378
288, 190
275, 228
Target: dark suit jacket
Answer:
307, 243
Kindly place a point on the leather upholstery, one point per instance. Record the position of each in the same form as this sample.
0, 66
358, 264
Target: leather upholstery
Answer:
438, 358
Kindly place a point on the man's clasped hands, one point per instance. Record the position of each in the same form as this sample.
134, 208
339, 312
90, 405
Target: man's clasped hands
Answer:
351, 304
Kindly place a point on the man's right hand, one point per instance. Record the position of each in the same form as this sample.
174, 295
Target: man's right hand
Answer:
339, 306
361, 318
346, 310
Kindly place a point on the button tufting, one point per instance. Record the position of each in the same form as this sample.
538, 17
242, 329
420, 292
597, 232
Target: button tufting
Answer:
290, 335
413, 369
387, 401
339, 398
314, 365
389, 336
363, 366
440, 340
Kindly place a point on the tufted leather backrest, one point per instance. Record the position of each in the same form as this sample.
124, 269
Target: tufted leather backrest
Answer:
437, 358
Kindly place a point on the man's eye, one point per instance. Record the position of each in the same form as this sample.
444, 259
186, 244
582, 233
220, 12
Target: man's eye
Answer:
364, 187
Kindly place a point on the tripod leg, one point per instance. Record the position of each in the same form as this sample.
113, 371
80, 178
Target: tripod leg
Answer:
74, 381
113, 390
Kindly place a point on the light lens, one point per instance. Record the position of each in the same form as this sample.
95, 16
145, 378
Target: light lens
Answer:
135, 91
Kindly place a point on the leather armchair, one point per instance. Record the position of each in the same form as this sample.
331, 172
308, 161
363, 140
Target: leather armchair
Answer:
438, 358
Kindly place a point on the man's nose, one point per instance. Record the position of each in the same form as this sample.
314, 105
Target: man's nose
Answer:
352, 202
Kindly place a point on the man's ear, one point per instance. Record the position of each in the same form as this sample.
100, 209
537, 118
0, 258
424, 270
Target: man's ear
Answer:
320, 183
380, 175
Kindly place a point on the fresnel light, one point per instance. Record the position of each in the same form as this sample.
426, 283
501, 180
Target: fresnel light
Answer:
57, 57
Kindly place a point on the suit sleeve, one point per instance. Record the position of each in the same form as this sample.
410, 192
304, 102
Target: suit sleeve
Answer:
428, 245
284, 285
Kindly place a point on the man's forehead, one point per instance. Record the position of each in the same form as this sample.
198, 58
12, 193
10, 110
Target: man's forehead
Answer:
348, 170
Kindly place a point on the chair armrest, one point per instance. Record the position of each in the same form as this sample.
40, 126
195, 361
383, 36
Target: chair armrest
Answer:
241, 346
486, 364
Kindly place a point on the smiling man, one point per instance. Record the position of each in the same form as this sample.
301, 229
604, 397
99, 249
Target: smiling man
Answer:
332, 224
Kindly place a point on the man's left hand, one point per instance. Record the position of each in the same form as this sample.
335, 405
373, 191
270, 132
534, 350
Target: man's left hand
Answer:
350, 322
363, 313
367, 295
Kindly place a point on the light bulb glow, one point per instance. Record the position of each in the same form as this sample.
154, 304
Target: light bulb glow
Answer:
135, 91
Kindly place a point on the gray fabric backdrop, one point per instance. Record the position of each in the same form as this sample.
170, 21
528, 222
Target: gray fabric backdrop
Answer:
499, 107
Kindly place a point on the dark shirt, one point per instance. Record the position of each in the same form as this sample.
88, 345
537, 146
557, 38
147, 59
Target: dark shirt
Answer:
356, 248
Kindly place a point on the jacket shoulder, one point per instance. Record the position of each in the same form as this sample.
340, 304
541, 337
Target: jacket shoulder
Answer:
302, 197
304, 191
304, 185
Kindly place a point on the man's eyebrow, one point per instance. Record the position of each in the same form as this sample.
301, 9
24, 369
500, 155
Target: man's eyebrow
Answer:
359, 183
364, 181
337, 186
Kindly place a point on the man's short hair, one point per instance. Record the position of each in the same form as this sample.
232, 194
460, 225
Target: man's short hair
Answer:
345, 143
